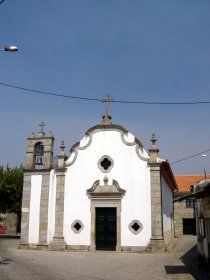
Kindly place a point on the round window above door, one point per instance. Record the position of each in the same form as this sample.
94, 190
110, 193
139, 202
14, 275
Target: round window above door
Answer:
105, 163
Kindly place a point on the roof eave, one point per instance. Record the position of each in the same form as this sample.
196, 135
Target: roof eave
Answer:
168, 175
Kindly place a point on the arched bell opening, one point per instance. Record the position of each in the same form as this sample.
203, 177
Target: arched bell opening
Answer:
39, 155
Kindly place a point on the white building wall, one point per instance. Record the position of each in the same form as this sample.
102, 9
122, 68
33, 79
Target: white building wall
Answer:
34, 214
129, 171
167, 202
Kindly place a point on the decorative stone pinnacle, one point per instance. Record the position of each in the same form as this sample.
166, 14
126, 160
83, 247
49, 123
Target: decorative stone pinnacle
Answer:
153, 151
61, 157
153, 140
106, 179
62, 147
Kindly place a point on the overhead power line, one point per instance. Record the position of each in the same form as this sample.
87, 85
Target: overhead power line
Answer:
1, 1
189, 157
162, 103
102, 99
50, 93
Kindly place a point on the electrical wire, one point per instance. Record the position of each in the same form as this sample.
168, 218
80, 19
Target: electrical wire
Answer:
1, 1
103, 100
186, 158
189, 157
162, 103
118, 101
50, 93
134, 57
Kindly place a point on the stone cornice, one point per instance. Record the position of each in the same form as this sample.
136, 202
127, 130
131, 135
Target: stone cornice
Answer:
113, 190
139, 148
100, 127
41, 138
60, 170
36, 171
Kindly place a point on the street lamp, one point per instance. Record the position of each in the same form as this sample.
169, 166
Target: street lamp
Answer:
204, 167
9, 49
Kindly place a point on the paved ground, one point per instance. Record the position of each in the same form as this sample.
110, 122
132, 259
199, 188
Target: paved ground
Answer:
179, 264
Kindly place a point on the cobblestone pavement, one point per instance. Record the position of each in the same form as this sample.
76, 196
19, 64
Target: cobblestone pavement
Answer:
179, 264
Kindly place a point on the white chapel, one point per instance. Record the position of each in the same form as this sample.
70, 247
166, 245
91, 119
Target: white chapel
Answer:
108, 194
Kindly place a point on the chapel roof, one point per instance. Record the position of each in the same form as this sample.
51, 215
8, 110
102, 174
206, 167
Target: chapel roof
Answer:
168, 174
184, 182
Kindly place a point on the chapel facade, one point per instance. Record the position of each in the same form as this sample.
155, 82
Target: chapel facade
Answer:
108, 194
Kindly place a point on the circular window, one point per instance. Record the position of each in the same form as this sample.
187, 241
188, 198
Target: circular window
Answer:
105, 164
77, 226
135, 227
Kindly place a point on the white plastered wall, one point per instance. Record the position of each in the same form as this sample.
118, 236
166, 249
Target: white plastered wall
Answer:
34, 214
167, 200
129, 171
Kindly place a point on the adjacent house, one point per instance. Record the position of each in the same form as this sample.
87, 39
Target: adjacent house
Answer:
184, 214
200, 194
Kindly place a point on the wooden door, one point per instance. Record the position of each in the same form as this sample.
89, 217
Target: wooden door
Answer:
106, 228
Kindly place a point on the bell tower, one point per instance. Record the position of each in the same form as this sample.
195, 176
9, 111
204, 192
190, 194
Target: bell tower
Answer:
39, 153
39, 163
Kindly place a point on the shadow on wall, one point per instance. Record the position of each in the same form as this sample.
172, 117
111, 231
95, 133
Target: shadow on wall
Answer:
190, 266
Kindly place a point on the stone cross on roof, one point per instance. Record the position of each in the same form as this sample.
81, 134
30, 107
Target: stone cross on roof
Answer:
41, 132
42, 124
107, 100
107, 118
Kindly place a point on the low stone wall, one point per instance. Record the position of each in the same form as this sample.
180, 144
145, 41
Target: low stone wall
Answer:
8, 223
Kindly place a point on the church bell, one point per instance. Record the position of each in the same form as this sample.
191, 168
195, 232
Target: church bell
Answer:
39, 153
39, 160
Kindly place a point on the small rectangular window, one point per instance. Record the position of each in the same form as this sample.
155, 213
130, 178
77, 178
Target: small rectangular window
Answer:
189, 203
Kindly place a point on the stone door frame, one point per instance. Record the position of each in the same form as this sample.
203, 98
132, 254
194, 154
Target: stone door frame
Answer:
105, 196
105, 203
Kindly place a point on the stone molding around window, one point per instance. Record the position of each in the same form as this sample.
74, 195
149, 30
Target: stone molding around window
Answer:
105, 163
77, 226
135, 227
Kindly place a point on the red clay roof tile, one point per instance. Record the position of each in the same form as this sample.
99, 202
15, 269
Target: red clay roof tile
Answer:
185, 181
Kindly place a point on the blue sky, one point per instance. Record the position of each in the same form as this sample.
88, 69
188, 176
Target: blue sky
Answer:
145, 50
